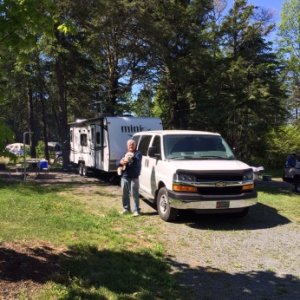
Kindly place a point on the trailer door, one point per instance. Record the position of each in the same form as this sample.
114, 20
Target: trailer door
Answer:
98, 147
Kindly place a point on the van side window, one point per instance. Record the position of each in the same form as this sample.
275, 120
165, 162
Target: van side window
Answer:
144, 143
156, 144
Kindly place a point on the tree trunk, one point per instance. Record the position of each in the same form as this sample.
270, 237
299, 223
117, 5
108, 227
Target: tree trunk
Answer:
45, 131
62, 112
31, 122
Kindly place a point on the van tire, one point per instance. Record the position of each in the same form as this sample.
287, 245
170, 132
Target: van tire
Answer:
165, 211
297, 186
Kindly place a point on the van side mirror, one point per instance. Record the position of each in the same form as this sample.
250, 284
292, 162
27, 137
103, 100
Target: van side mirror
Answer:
153, 152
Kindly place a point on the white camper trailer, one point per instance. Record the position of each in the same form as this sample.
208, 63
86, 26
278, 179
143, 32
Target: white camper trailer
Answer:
99, 143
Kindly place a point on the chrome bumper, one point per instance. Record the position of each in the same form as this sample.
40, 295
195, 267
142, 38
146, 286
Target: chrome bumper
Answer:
241, 201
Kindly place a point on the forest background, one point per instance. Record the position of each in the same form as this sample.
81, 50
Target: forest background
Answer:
195, 64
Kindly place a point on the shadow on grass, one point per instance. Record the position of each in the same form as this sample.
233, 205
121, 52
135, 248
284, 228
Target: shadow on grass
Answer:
276, 187
84, 270
260, 216
39, 188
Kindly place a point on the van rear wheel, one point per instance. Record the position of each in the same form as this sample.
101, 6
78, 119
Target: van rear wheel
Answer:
165, 211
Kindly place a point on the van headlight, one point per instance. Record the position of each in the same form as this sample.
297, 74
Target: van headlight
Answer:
183, 183
248, 184
185, 178
248, 176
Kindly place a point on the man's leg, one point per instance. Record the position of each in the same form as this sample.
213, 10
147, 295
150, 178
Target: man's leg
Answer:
125, 185
135, 194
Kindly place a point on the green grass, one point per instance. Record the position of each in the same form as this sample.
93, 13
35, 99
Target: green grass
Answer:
89, 251
101, 256
283, 199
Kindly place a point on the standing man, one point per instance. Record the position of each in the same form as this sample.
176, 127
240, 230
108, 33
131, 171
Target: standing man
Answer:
130, 178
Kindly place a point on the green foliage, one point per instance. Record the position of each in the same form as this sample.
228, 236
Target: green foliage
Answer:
250, 90
40, 149
281, 142
289, 52
201, 70
6, 137
21, 21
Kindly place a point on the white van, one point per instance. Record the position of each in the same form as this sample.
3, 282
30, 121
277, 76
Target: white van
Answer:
193, 170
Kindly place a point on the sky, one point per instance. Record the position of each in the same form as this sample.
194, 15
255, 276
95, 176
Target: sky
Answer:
274, 5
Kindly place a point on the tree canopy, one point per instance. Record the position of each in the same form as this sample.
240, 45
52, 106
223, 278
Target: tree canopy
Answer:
194, 65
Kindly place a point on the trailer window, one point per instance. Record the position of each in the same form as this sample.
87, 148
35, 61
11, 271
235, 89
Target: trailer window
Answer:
144, 143
93, 135
98, 141
83, 139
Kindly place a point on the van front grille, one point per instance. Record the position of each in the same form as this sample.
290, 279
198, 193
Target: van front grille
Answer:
231, 190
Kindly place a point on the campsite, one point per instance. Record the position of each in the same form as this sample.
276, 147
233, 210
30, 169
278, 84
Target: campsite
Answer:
149, 149
66, 240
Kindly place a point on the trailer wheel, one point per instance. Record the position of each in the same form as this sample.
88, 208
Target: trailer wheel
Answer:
165, 211
81, 168
297, 186
84, 171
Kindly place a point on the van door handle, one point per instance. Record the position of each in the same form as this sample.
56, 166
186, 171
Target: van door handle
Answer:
146, 163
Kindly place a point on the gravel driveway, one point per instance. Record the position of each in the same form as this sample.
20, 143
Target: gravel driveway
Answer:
256, 258
218, 257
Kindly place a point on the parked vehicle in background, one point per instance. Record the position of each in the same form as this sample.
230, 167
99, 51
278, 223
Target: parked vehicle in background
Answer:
17, 148
98, 143
55, 149
193, 170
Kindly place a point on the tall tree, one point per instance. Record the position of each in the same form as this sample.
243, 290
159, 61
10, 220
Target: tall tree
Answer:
174, 29
289, 45
252, 94
111, 40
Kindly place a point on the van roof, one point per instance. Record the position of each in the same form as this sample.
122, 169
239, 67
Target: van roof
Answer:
183, 132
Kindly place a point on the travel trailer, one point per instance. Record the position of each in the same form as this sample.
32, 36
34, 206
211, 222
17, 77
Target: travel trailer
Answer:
99, 143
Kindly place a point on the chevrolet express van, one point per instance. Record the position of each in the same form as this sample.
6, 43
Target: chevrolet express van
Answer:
193, 170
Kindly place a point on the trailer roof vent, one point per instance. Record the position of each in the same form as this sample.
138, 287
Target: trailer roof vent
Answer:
80, 120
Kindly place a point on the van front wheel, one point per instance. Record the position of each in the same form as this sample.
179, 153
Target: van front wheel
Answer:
165, 211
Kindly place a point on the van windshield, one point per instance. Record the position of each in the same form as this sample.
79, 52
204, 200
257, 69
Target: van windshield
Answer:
196, 146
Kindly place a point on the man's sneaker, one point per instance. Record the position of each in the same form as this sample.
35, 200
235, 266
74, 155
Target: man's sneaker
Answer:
136, 214
125, 212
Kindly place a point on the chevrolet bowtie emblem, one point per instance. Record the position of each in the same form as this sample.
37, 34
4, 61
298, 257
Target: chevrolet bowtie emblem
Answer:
220, 184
